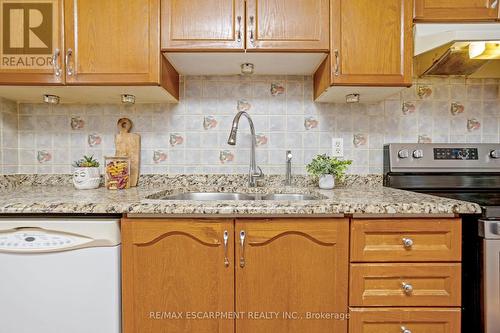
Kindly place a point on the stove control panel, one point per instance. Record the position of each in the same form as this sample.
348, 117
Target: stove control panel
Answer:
442, 157
456, 154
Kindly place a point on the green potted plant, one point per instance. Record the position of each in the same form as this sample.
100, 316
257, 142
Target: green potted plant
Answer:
326, 169
86, 175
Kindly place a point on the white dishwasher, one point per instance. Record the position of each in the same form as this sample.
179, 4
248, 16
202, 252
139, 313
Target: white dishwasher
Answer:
60, 275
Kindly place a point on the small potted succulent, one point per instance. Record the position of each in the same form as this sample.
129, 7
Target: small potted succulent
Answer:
86, 175
326, 169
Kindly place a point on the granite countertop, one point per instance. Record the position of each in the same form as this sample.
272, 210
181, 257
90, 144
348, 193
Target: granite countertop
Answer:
358, 195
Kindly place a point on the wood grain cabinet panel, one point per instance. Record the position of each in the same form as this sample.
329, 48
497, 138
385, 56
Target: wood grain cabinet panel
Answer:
113, 42
176, 266
410, 240
288, 266
418, 320
203, 24
405, 285
456, 10
372, 42
288, 25
18, 68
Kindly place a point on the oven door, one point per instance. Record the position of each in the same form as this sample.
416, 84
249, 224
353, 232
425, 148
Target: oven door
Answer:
491, 275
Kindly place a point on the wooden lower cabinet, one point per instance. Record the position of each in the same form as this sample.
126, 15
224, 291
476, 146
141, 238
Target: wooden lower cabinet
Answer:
280, 270
397, 320
407, 284
406, 240
175, 268
287, 266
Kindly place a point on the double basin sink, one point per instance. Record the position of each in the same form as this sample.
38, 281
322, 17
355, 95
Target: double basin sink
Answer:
223, 196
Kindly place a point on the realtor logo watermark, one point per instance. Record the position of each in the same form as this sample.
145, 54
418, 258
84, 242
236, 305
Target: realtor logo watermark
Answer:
28, 33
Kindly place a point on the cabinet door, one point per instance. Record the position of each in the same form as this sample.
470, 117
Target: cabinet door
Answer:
456, 10
287, 268
372, 42
202, 24
174, 271
112, 41
294, 25
32, 42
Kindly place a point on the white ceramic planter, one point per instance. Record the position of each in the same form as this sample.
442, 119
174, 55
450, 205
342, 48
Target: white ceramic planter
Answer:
327, 182
86, 178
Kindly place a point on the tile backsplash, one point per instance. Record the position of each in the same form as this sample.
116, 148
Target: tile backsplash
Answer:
191, 137
8, 137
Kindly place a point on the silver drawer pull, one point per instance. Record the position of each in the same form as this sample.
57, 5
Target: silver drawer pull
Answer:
238, 33
242, 244
405, 330
226, 238
55, 63
252, 29
69, 69
407, 243
407, 288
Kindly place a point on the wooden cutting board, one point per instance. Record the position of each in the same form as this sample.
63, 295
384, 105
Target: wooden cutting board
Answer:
129, 145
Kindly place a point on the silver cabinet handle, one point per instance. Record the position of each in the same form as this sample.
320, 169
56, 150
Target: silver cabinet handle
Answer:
337, 62
407, 288
407, 243
69, 69
226, 238
242, 244
405, 330
494, 4
252, 28
55, 63
238, 33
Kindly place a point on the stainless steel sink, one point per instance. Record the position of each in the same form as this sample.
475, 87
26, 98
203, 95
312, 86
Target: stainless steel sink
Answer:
229, 196
288, 197
209, 196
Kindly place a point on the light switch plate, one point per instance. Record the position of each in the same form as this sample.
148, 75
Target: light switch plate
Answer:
338, 147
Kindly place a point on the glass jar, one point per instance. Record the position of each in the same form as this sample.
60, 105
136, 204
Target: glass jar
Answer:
117, 171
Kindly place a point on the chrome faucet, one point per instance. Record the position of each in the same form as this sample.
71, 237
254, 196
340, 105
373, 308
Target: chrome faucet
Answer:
255, 172
288, 175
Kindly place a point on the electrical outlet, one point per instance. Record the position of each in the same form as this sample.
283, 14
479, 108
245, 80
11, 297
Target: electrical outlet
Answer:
338, 147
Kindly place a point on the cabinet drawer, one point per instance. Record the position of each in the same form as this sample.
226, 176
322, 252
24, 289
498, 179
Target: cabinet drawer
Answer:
384, 320
405, 285
406, 240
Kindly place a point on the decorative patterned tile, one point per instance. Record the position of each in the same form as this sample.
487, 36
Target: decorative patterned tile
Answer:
277, 89
457, 108
159, 156
176, 139
310, 123
473, 125
77, 123
94, 140
43, 156
226, 156
360, 140
209, 122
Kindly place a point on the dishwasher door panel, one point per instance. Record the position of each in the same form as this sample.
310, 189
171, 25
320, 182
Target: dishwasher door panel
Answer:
74, 291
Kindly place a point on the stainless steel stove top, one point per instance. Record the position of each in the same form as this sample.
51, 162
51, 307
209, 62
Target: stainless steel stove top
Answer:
469, 172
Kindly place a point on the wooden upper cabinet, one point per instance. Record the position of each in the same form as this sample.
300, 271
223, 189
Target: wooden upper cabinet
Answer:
372, 42
27, 54
293, 25
456, 10
291, 267
112, 42
202, 24
173, 266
